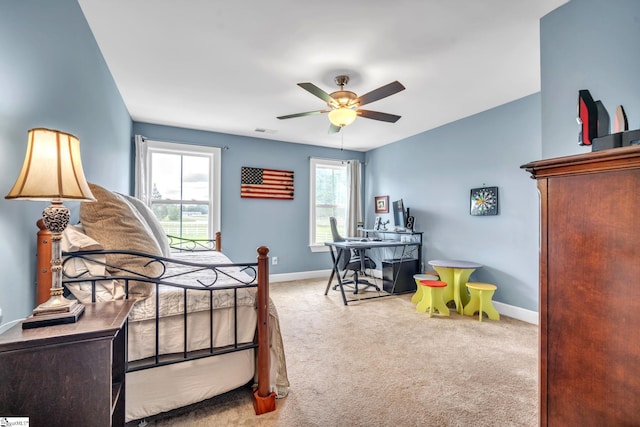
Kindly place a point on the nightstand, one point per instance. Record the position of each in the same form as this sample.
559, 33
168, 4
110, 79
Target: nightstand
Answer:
71, 374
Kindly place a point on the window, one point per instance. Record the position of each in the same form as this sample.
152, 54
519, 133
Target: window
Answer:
329, 196
181, 184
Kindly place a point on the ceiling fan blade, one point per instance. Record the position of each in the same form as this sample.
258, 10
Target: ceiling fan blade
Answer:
315, 90
334, 129
381, 92
308, 113
377, 115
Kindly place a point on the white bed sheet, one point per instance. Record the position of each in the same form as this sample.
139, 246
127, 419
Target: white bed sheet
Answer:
172, 299
142, 334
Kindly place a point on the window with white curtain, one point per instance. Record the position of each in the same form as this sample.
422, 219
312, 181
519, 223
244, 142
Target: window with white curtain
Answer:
329, 196
181, 184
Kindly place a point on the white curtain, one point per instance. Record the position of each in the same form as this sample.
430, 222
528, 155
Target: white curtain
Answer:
354, 212
141, 165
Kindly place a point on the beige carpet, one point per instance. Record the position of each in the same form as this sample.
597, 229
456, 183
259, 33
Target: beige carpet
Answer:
380, 363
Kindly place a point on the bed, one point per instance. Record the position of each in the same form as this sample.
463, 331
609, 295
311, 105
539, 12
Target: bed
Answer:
202, 324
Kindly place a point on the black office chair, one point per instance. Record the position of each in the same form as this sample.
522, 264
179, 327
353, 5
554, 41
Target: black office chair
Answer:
352, 261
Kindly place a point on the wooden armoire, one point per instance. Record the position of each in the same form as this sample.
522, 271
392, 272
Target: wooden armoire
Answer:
589, 288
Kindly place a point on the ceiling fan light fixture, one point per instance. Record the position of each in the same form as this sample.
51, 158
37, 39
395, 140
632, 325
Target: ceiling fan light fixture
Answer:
342, 116
343, 98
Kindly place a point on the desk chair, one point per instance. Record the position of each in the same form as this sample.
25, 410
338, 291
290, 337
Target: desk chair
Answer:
352, 261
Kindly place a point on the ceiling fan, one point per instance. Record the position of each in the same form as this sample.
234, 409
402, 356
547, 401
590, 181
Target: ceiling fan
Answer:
345, 105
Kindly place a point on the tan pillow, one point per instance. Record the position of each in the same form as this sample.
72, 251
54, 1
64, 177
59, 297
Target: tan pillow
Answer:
154, 225
116, 225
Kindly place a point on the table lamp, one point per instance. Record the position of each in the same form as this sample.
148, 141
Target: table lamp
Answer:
52, 171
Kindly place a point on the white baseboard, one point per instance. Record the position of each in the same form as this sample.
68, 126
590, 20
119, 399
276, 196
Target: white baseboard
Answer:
287, 277
519, 313
317, 274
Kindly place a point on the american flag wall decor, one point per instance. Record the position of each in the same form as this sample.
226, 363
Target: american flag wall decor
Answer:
258, 183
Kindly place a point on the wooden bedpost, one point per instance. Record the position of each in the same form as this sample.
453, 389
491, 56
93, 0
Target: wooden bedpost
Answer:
43, 275
218, 241
264, 400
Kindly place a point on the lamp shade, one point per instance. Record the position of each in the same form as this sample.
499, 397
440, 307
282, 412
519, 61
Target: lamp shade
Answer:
342, 116
52, 169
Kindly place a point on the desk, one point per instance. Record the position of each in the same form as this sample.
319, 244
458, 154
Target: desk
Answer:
338, 248
455, 274
399, 235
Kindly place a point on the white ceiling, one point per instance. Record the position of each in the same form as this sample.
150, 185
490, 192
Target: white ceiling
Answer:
233, 66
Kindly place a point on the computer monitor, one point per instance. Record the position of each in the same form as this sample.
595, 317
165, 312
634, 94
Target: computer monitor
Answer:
399, 214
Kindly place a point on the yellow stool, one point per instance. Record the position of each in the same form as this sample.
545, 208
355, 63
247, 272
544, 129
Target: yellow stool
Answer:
432, 297
480, 300
417, 297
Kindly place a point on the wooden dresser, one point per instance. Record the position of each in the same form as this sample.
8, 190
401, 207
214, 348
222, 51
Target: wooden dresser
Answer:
67, 375
590, 288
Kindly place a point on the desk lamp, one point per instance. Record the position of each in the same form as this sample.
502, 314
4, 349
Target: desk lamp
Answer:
52, 171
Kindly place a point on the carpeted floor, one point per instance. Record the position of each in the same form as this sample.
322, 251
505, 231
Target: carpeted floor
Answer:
380, 363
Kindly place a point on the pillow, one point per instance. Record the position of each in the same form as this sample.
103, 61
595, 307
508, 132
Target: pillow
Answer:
154, 225
73, 239
116, 225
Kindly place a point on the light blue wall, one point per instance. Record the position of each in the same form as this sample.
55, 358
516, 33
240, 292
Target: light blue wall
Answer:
246, 224
594, 45
52, 74
433, 173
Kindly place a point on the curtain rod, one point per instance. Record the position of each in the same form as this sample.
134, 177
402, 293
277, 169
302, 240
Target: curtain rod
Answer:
144, 138
335, 160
